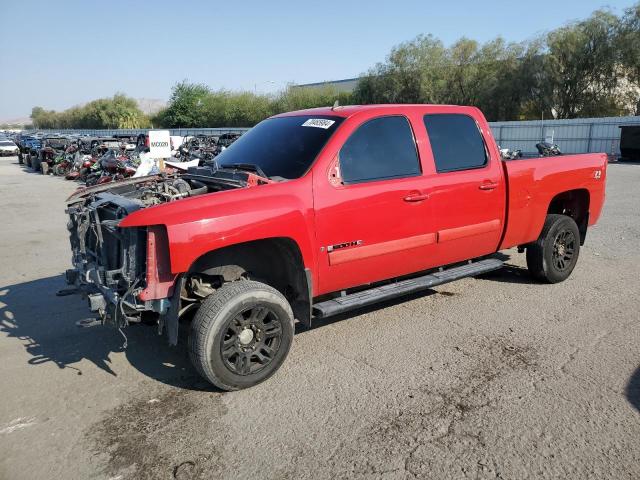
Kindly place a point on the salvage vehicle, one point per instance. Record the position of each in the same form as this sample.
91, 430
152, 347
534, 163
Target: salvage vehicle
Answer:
8, 147
112, 166
26, 144
51, 147
318, 212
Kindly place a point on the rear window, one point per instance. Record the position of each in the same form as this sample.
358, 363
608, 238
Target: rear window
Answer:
57, 142
455, 141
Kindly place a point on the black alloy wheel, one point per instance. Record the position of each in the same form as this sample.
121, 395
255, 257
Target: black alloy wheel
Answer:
251, 340
564, 247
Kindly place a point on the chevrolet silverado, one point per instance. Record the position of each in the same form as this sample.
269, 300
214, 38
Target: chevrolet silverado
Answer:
318, 212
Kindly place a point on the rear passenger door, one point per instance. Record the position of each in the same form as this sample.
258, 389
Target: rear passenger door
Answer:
467, 190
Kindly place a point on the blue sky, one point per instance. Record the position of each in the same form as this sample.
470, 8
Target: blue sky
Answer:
60, 53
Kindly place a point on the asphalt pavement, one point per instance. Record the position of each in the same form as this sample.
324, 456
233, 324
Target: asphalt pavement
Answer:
493, 377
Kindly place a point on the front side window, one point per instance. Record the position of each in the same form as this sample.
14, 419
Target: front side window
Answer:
455, 141
381, 148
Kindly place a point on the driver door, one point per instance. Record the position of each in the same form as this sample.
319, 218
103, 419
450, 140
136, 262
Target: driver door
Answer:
372, 209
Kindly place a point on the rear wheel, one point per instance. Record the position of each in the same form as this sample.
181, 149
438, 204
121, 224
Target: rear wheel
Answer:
241, 334
554, 255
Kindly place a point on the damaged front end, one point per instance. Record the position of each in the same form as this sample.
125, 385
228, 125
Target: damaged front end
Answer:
110, 263
125, 272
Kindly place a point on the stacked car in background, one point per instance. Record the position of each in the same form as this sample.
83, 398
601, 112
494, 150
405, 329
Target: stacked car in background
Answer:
95, 160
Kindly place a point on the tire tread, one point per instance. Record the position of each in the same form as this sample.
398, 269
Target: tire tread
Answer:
207, 315
536, 250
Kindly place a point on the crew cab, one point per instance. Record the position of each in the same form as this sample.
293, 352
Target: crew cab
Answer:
317, 212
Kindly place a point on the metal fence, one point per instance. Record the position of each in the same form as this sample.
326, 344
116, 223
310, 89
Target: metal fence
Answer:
174, 131
583, 135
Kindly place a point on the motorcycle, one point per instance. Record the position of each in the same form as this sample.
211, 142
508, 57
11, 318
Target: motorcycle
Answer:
546, 149
508, 154
63, 163
110, 168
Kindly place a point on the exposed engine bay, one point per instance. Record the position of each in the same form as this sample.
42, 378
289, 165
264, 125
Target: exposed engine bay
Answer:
157, 189
110, 263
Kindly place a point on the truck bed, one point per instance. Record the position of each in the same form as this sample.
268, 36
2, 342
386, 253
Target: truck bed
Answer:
532, 184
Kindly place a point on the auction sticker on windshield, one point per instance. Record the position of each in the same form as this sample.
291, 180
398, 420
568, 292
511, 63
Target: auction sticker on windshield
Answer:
318, 123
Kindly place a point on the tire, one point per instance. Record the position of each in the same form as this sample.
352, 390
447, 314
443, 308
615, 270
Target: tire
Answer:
230, 346
35, 164
554, 255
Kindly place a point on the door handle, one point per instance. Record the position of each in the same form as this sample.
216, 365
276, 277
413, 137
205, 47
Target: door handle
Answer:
416, 197
488, 186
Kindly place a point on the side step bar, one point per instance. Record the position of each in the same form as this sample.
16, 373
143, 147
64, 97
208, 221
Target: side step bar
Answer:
403, 287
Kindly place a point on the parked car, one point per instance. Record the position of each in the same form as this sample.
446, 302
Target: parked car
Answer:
27, 143
8, 147
318, 212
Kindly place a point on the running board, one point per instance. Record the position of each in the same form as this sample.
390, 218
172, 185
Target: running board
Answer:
403, 287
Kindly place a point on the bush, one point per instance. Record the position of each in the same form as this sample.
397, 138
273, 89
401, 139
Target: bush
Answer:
119, 111
195, 105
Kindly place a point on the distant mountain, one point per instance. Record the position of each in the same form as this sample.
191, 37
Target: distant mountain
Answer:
16, 121
151, 105
148, 105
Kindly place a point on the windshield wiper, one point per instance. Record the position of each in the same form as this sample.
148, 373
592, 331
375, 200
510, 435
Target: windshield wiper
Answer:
252, 167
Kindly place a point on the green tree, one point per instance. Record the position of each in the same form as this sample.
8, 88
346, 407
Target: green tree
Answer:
467, 73
629, 48
412, 73
185, 106
581, 67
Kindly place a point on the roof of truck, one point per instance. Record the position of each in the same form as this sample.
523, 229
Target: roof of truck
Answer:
349, 110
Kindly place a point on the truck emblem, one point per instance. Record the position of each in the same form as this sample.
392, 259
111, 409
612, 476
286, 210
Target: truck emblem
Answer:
597, 174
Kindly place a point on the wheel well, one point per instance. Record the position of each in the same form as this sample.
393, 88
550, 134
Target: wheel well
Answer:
274, 261
575, 204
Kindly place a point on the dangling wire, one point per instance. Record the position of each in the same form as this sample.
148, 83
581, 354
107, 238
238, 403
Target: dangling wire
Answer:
124, 345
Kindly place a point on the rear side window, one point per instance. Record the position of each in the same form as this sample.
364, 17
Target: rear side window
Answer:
455, 141
379, 149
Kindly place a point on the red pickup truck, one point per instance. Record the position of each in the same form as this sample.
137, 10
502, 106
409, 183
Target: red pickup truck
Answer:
316, 212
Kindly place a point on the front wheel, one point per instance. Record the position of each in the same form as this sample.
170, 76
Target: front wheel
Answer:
241, 334
554, 255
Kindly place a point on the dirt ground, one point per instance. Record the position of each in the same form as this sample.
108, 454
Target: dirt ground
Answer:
495, 377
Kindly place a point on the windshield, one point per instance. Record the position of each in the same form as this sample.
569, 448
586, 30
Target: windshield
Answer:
5, 143
57, 142
282, 147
